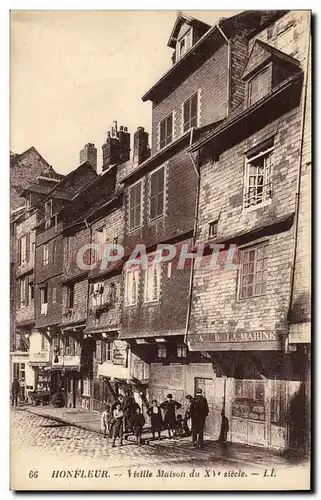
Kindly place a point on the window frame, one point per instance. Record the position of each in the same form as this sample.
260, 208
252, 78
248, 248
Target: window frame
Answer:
266, 69
268, 171
48, 204
131, 270
197, 94
150, 287
161, 347
187, 36
150, 175
180, 348
170, 115
133, 228
45, 254
70, 293
242, 251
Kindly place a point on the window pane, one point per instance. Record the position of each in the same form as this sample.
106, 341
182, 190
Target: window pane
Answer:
194, 106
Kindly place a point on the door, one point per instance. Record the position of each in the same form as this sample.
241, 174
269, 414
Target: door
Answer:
207, 386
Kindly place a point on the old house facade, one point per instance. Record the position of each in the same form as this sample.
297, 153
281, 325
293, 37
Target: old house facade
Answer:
254, 193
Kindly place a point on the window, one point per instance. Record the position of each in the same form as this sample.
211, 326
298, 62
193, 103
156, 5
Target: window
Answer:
190, 112
69, 346
48, 209
131, 286
166, 131
112, 294
53, 250
249, 389
99, 238
44, 299
135, 205
253, 275
97, 290
259, 86
258, 178
45, 254
44, 343
31, 290
161, 351
152, 281
184, 44
181, 351
24, 292
86, 387
33, 249
54, 295
278, 401
107, 350
24, 249
212, 229
157, 193
70, 296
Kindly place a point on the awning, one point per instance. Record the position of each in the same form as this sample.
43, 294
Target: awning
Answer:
150, 334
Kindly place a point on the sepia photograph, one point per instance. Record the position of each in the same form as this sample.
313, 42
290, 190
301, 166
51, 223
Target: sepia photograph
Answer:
160, 250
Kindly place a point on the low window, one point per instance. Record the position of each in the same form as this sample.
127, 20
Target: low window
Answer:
44, 343
24, 292
131, 286
166, 131
99, 238
253, 275
157, 193
259, 86
44, 299
212, 229
24, 249
258, 178
31, 290
70, 296
135, 206
69, 346
54, 295
152, 282
181, 351
161, 351
107, 350
86, 387
97, 291
190, 112
249, 389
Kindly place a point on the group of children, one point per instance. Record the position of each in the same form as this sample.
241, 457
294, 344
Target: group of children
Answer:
114, 418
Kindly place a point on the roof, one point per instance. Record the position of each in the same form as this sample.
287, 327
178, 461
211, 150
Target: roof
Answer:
180, 20
209, 42
262, 52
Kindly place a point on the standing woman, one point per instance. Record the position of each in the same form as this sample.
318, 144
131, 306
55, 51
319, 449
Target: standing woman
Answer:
170, 406
155, 414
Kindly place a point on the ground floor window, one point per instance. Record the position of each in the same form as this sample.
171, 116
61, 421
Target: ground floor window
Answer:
86, 387
249, 389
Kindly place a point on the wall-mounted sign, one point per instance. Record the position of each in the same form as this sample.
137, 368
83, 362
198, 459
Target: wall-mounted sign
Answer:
120, 353
250, 340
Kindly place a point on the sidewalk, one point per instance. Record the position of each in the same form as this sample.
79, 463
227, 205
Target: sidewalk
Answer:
213, 450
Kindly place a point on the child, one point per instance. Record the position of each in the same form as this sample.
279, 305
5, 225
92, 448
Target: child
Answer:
138, 422
118, 415
104, 422
179, 431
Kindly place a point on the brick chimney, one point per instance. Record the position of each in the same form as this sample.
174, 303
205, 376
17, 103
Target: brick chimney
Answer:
117, 146
89, 153
141, 148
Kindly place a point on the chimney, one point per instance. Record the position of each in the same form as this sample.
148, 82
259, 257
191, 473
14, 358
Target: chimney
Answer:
89, 153
141, 148
117, 146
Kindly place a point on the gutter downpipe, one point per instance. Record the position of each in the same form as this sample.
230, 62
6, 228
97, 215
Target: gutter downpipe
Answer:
229, 59
297, 192
191, 279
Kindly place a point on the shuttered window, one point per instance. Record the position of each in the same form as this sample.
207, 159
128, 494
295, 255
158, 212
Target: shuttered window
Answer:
157, 193
135, 206
166, 131
190, 112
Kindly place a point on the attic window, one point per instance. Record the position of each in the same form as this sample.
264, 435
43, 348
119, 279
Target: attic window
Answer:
259, 86
48, 209
183, 44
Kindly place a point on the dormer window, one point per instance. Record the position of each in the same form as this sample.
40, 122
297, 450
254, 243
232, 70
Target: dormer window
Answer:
48, 209
259, 86
184, 44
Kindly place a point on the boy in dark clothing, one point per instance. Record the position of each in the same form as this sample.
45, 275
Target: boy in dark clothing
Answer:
138, 422
169, 407
156, 419
179, 431
118, 415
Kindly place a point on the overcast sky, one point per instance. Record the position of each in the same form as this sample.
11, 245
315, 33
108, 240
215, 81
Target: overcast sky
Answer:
74, 72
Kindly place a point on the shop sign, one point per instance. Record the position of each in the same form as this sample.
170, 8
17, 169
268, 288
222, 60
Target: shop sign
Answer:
257, 336
120, 353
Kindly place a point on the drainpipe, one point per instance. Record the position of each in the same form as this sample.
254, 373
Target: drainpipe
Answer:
297, 192
229, 59
191, 280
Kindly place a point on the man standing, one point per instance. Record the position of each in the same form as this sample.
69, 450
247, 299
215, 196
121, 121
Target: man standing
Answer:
170, 406
187, 415
199, 412
15, 388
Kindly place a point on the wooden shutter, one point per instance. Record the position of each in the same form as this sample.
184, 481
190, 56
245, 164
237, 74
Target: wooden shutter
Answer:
27, 247
98, 351
19, 251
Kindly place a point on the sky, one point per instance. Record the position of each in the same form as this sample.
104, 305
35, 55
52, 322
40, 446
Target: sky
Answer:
74, 72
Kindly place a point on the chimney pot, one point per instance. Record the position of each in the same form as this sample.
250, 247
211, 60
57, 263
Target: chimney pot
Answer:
125, 129
121, 127
89, 153
141, 148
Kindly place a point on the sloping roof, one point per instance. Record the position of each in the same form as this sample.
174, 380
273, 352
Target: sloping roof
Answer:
260, 54
180, 20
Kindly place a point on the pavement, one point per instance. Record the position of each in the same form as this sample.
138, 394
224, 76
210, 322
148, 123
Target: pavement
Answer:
181, 447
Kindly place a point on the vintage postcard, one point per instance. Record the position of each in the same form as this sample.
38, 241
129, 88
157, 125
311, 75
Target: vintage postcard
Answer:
160, 167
